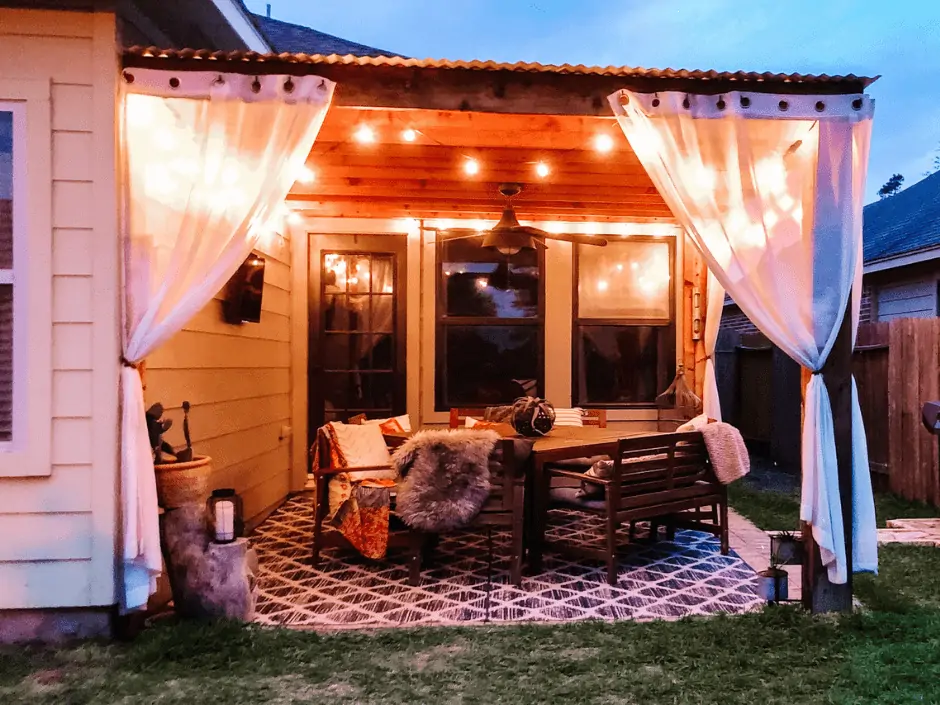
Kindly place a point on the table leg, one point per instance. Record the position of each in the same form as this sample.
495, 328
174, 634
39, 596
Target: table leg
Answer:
539, 516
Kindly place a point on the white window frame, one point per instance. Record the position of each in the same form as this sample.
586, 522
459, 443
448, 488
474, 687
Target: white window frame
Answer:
29, 452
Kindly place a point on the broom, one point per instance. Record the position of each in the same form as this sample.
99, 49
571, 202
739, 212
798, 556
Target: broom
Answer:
678, 396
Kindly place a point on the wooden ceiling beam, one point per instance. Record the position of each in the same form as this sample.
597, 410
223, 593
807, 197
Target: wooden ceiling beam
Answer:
561, 173
530, 210
487, 190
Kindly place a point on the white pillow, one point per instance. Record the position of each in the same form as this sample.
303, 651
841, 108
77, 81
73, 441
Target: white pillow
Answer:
404, 421
569, 417
470, 422
364, 446
695, 424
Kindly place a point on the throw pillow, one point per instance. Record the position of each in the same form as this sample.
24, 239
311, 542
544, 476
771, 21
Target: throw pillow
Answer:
695, 424
569, 417
602, 469
362, 446
403, 424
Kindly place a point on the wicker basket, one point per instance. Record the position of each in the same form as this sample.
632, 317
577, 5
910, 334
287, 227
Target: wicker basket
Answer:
183, 483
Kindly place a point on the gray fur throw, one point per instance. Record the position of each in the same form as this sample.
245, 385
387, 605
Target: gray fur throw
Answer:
446, 478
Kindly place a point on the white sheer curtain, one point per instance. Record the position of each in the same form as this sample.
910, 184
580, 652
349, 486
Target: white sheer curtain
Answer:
209, 159
715, 297
770, 188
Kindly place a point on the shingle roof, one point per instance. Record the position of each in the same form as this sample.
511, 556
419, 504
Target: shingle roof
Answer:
297, 39
906, 222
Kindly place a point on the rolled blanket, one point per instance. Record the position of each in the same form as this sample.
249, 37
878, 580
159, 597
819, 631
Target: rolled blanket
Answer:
446, 478
727, 451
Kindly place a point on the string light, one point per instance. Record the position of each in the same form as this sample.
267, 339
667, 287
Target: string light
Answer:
364, 134
306, 175
471, 167
602, 285
542, 170
603, 143
409, 135
482, 282
294, 218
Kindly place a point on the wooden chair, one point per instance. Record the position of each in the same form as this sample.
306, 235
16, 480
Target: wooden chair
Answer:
399, 535
459, 415
594, 417
505, 507
662, 478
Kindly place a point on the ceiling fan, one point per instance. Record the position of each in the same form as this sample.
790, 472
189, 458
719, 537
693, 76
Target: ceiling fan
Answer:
509, 237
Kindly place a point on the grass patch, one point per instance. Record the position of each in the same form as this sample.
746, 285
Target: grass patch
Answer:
780, 655
777, 508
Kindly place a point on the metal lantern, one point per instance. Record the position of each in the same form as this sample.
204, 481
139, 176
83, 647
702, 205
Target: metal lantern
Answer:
225, 515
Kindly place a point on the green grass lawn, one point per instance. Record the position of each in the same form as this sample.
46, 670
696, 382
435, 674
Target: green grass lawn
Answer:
888, 653
774, 509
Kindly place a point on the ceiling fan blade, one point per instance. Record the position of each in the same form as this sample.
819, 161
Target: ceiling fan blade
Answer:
457, 234
577, 238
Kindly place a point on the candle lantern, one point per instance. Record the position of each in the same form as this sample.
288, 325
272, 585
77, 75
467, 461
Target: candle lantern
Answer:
225, 515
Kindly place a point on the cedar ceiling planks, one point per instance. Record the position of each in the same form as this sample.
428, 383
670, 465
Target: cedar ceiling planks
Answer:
392, 178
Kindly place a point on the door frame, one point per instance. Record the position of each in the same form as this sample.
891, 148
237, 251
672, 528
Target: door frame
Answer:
351, 243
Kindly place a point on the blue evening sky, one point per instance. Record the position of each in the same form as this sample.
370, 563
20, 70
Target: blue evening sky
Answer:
898, 39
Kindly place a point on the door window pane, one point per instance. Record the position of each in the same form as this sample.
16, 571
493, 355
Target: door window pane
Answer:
491, 364
629, 280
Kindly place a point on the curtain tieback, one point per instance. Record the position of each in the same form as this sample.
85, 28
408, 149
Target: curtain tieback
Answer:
127, 363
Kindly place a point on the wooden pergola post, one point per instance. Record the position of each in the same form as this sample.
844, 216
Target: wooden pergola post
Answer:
820, 595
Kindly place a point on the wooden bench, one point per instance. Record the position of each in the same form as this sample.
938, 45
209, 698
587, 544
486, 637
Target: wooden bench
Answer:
664, 478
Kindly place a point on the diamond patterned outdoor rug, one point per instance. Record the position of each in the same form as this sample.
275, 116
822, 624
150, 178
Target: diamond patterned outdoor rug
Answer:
469, 580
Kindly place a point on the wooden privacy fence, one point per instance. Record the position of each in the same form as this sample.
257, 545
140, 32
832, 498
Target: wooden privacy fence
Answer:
897, 369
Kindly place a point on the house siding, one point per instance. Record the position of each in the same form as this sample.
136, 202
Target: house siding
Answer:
58, 546
238, 380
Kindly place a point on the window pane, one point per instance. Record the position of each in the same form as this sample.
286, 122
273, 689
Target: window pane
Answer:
489, 364
478, 281
624, 280
6, 189
624, 364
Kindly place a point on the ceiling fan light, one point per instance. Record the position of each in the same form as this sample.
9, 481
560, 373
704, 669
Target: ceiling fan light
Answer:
509, 251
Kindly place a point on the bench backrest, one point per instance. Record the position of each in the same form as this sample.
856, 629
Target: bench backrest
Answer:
670, 465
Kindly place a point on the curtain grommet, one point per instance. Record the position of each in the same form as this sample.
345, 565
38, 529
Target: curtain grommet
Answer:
820, 106
174, 82
721, 103
655, 102
219, 81
745, 102
783, 106
289, 85
686, 103
624, 99
128, 77
256, 85
857, 104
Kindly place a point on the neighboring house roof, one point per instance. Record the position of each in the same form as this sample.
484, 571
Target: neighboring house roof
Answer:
297, 39
909, 221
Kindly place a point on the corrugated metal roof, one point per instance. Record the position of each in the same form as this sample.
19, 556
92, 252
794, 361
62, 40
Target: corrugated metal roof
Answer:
906, 222
477, 65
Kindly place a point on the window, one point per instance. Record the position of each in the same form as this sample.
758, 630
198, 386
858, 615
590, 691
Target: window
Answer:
25, 279
6, 274
490, 324
624, 330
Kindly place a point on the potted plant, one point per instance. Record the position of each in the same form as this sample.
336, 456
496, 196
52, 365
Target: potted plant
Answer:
773, 583
787, 546
182, 477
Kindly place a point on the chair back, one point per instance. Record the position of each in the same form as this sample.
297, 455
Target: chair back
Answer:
673, 465
459, 415
594, 417
504, 478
